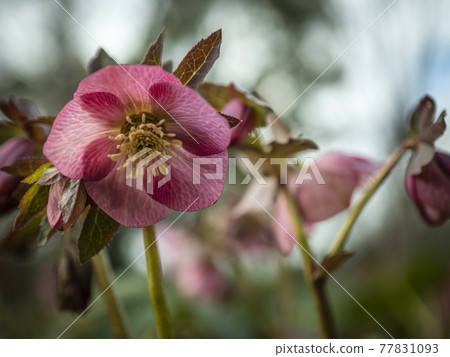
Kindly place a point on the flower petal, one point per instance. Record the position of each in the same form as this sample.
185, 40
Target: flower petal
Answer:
127, 205
78, 143
195, 122
342, 175
430, 190
195, 183
54, 214
130, 83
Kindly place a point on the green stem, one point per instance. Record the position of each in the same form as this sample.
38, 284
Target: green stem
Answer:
103, 271
155, 285
342, 238
317, 285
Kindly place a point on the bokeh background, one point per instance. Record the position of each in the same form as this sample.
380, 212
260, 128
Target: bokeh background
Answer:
400, 273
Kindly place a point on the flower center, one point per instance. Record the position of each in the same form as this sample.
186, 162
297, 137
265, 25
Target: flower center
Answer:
144, 131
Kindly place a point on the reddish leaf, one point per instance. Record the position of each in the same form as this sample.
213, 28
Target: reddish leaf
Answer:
218, 96
25, 166
72, 203
232, 121
153, 57
101, 60
291, 148
199, 60
50, 176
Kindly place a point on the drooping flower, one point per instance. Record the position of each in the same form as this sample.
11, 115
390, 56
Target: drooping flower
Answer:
10, 151
122, 117
342, 175
238, 109
430, 189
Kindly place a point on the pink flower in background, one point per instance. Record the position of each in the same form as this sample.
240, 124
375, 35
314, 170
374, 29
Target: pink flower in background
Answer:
192, 267
430, 189
118, 112
10, 151
249, 229
342, 175
202, 280
238, 109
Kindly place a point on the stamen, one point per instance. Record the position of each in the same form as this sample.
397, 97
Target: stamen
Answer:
144, 131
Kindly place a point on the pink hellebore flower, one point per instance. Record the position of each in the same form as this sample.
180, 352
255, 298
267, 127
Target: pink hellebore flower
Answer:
118, 112
10, 151
238, 109
430, 190
342, 175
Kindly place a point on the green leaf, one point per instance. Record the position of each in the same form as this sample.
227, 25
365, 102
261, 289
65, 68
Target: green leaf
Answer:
199, 60
72, 203
33, 204
291, 148
101, 60
36, 176
25, 166
153, 57
232, 121
97, 232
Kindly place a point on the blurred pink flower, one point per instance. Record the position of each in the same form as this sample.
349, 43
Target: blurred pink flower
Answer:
249, 228
342, 175
238, 109
202, 280
192, 267
430, 189
117, 112
10, 151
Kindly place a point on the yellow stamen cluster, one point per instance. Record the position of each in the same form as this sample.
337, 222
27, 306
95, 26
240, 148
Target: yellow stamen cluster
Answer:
144, 131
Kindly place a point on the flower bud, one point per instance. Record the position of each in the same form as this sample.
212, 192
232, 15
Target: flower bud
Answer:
73, 282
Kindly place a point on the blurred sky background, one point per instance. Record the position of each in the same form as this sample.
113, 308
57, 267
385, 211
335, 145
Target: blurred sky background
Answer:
278, 48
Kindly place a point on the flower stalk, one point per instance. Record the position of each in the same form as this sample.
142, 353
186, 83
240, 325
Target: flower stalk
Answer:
317, 286
103, 271
354, 214
163, 321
